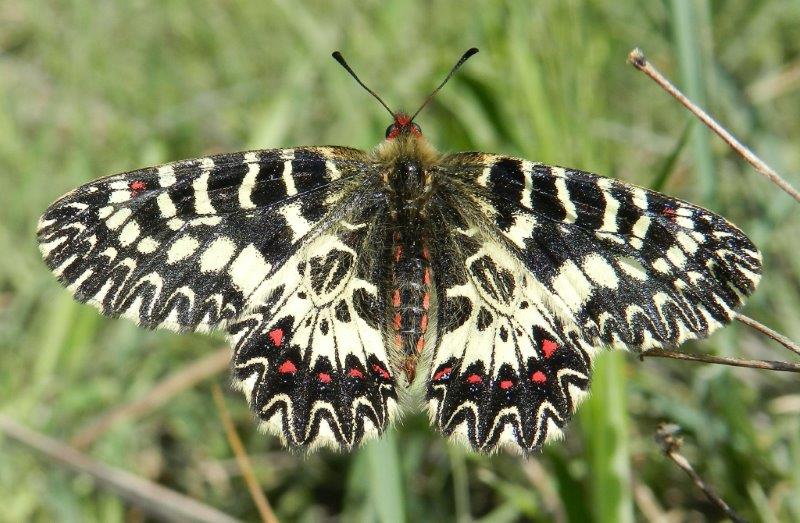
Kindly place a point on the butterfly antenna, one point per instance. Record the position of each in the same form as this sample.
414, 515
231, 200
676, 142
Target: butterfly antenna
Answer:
471, 51
339, 58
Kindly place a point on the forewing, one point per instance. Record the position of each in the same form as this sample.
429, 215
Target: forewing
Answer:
632, 267
311, 357
191, 245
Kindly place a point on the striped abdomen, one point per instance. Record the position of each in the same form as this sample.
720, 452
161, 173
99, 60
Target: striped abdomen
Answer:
411, 284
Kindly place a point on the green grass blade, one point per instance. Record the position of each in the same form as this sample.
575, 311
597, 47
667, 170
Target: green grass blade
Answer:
458, 467
667, 169
688, 25
605, 423
384, 489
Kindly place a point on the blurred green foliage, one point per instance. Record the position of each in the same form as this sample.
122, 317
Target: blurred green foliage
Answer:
92, 88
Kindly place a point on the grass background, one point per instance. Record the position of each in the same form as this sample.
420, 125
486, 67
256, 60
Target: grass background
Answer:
92, 88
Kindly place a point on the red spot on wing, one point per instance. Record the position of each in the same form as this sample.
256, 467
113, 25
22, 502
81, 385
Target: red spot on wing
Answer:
398, 252
426, 301
287, 367
420, 344
506, 384
474, 379
396, 298
324, 377
355, 373
398, 321
423, 323
549, 347
425, 254
426, 277
443, 374
380, 371
538, 377
670, 213
137, 186
276, 336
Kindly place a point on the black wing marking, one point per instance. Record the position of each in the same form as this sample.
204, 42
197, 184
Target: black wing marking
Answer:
633, 267
189, 245
311, 358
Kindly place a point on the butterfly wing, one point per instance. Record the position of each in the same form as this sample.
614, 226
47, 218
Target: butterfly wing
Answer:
635, 268
507, 370
545, 265
276, 246
311, 358
189, 245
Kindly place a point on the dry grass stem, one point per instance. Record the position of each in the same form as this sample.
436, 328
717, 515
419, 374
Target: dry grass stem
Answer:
781, 366
639, 61
766, 331
779, 84
155, 500
541, 480
650, 508
172, 385
670, 442
260, 500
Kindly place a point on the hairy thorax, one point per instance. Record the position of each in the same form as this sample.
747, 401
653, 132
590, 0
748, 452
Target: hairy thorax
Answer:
407, 162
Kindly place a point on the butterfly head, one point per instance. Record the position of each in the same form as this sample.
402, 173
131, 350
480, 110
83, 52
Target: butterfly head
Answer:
402, 125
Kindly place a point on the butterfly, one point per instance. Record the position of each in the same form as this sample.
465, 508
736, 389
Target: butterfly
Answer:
350, 281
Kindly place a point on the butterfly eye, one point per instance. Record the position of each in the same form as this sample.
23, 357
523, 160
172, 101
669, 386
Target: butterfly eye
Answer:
389, 130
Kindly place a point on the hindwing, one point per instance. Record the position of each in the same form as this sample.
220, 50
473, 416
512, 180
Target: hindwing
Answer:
311, 357
508, 370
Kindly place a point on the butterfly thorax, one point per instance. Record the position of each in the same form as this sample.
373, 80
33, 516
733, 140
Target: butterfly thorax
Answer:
407, 181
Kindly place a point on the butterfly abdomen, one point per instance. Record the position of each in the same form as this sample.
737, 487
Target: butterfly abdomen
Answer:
408, 187
410, 300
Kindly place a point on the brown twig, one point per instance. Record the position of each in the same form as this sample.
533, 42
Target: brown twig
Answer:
173, 384
152, 498
262, 504
670, 442
766, 331
639, 61
781, 366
